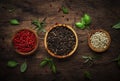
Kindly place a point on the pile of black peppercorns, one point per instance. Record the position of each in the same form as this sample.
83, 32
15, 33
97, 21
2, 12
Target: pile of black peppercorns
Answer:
61, 40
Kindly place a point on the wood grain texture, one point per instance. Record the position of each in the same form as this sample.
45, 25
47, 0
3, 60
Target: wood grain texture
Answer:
104, 15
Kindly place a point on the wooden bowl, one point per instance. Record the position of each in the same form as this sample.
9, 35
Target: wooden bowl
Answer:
96, 49
56, 55
30, 52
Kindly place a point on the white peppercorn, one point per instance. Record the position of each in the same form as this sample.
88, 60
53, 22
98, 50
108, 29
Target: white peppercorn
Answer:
99, 40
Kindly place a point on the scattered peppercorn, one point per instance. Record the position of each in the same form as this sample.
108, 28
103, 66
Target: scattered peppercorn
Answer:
67, 19
50, 5
56, 23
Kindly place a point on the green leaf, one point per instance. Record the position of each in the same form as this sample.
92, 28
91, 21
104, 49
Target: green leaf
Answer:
117, 60
87, 60
117, 26
65, 10
14, 22
53, 68
80, 25
12, 64
87, 19
50, 63
48, 59
43, 63
36, 23
87, 75
84, 22
90, 58
85, 57
40, 25
23, 67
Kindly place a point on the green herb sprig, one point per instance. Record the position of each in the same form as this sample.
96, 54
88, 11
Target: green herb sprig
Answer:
88, 59
50, 63
40, 25
84, 22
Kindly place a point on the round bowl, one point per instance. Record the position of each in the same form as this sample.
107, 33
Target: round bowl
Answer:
98, 49
29, 52
57, 55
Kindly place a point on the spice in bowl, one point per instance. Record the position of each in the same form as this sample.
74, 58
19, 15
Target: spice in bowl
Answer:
25, 41
61, 41
99, 40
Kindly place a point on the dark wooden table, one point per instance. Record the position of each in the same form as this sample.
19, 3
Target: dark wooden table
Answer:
104, 13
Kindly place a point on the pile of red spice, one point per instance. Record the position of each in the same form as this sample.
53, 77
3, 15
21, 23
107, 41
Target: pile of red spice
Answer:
24, 41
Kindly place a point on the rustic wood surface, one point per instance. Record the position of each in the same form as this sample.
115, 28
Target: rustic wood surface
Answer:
104, 13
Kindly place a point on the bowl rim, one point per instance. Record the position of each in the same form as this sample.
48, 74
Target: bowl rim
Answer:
95, 49
28, 53
66, 55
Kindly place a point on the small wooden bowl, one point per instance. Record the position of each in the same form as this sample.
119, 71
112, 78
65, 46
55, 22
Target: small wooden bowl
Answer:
31, 52
56, 55
95, 49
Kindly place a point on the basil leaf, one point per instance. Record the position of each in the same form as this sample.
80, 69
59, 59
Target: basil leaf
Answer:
53, 68
23, 67
117, 26
87, 19
43, 63
14, 22
39, 25
90, 58
36, 23
50, 64
87, 60
80, 25
12, 64
85, 57
65, 10
82, 21
87, 75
